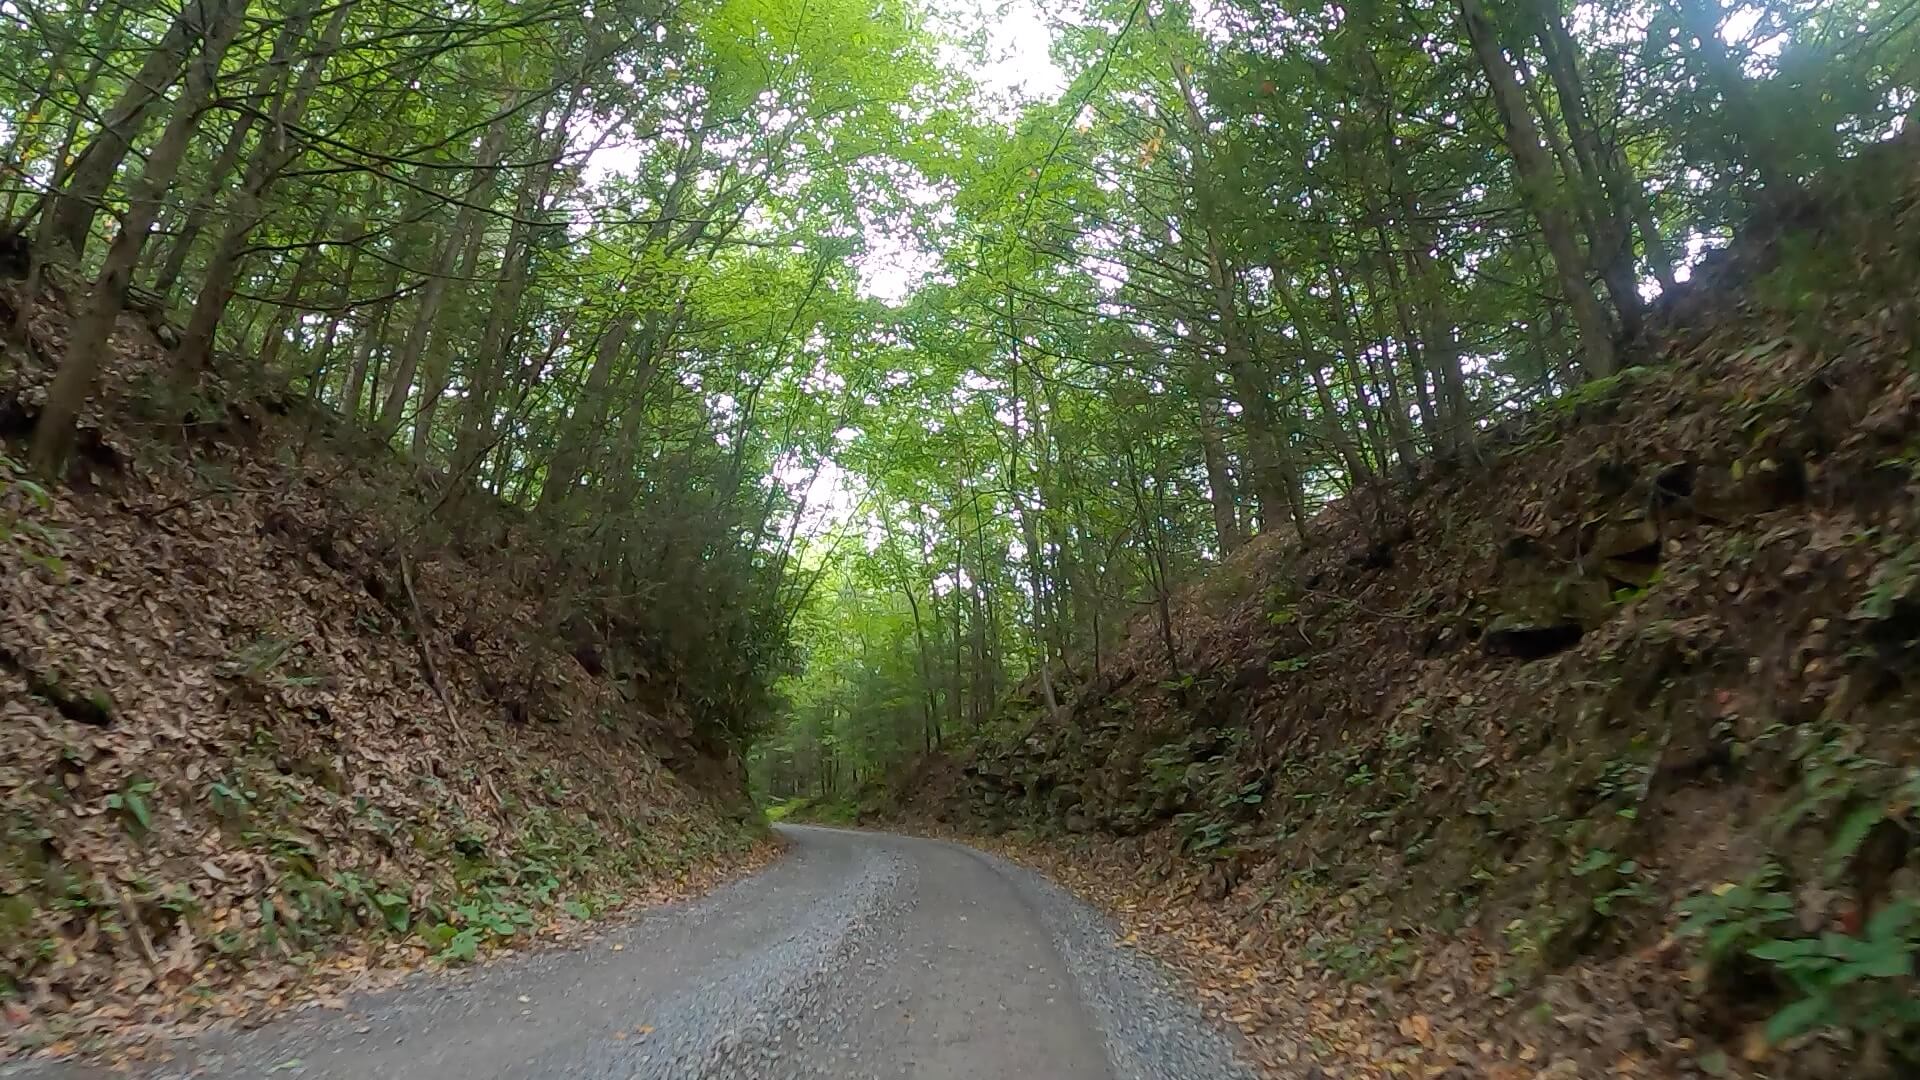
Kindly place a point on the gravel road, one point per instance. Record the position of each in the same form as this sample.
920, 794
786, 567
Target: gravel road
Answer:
856, 955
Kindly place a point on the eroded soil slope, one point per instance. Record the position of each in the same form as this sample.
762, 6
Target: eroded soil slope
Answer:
1593, 754
264, 724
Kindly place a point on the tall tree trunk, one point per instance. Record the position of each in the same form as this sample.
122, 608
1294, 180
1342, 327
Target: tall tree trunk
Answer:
1317, 360
1441, 435
269, 88
1029, 533
590, 408
270, 157
370, 331
1229, 533
217, 21
400, 380
71, 213
181, 247
1610, 190
1539, 189
439, 364
287, 308
489, 360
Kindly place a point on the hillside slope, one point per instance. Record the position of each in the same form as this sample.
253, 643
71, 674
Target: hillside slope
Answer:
1594, 755
266, 725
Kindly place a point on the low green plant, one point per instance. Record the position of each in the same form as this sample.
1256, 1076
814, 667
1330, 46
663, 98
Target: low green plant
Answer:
1735, 917
34, 541
1864, 983
1853, 794
1868, 982
1200, 834
1895, 579
131, 801
1620, 879
1626, 594
267, 661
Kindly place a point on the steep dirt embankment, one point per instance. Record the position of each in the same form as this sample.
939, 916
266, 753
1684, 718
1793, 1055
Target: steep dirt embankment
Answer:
1591, 756
263, 726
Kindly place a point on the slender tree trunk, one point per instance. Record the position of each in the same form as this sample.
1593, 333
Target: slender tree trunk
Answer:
1317, 360
73, 209
370, 330
400, 381
1029, 534
1540, 190
1609, 191
489, 360
286, 309
88, 340
1440, 434
1228, 530
270, 157
439, 365
268, 91
181, 247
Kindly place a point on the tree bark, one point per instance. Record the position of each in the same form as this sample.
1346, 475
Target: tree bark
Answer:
433, 296
268, 90
274, 337
217, 21
70, 218
1229, 532
1606, 190
1540, 190
270, 157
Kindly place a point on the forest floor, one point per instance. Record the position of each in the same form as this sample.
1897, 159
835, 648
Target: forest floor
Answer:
1591, 753
268, 732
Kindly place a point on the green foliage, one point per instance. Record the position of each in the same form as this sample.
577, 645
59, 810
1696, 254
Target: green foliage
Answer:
1371, 951
21, 502
1733, 918
1610, 388
1895, 580
1619, 880
1864, 983
132, 803
270, 660
1849, 794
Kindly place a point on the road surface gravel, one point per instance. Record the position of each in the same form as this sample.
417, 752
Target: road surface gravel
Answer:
856, 955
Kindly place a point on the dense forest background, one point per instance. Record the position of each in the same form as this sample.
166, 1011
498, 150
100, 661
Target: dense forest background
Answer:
1259, 257
614, 271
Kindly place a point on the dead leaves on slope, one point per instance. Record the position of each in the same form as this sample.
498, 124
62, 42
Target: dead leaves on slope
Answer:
262, 786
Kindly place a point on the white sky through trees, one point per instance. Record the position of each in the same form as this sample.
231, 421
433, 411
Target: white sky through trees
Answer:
1005, 50
1012, 66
